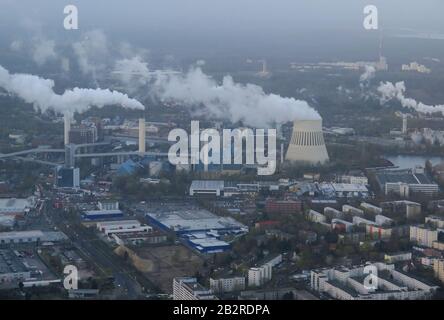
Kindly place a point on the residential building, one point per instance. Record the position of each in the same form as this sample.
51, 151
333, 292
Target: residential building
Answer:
189, 289
225, 284
386, 283
423, 236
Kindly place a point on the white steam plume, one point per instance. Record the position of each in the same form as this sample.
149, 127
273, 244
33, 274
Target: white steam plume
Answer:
91, 53
133, 72
390, 91
367, 76
233, 101
43, 51
40, 92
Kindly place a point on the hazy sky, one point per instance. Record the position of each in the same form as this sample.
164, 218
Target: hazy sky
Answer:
232, 25
221, 16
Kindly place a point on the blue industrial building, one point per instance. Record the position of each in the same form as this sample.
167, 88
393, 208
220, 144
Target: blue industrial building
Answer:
102, 214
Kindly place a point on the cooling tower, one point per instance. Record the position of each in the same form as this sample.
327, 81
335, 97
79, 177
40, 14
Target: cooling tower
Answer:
307, 143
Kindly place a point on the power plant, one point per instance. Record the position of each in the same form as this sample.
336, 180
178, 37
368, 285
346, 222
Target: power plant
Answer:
307, 143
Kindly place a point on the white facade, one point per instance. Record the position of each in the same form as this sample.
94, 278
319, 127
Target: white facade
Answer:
206, 187
123, 226
21, 237
352, 210
371, 208
388, 283
438, 222
31, 236
190, 289
361, 221
257, 276
423, 236
16, 206
315, 216
227, 284
383, 220
108, 205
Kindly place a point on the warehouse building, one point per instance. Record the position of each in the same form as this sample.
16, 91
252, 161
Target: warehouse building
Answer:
207, 187
122, 226
13, 206
406, 182
102, 214
206, 244
194, 220
12, 268
31, 236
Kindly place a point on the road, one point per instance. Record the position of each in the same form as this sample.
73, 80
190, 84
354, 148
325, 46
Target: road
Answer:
126, 279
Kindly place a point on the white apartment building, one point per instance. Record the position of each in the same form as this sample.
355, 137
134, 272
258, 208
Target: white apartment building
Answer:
315, 216
257, 276
189, 289
423, 236
227, 284
371, 208
344, 283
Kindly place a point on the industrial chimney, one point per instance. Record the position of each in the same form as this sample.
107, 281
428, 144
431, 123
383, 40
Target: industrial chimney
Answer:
67, 128
142, 133
307, 143
404, 124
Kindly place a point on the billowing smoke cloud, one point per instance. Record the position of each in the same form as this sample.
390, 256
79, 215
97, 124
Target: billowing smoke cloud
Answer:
367, 76
230, 100
133, 72
390, 91
43, 51
40, 92
16, 45
91, 52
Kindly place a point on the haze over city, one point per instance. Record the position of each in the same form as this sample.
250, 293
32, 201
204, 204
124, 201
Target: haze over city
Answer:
221, 150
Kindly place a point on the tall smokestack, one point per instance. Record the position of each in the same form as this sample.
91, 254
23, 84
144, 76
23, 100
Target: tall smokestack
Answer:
307, 143
404, 124
67, 128
142, 133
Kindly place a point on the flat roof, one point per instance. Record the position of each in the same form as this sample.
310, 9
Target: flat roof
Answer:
209, 242
349, 187
207, 184
117, 223
403, 177
102, 212
194, 219
13, 203
22, 234
10, 263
